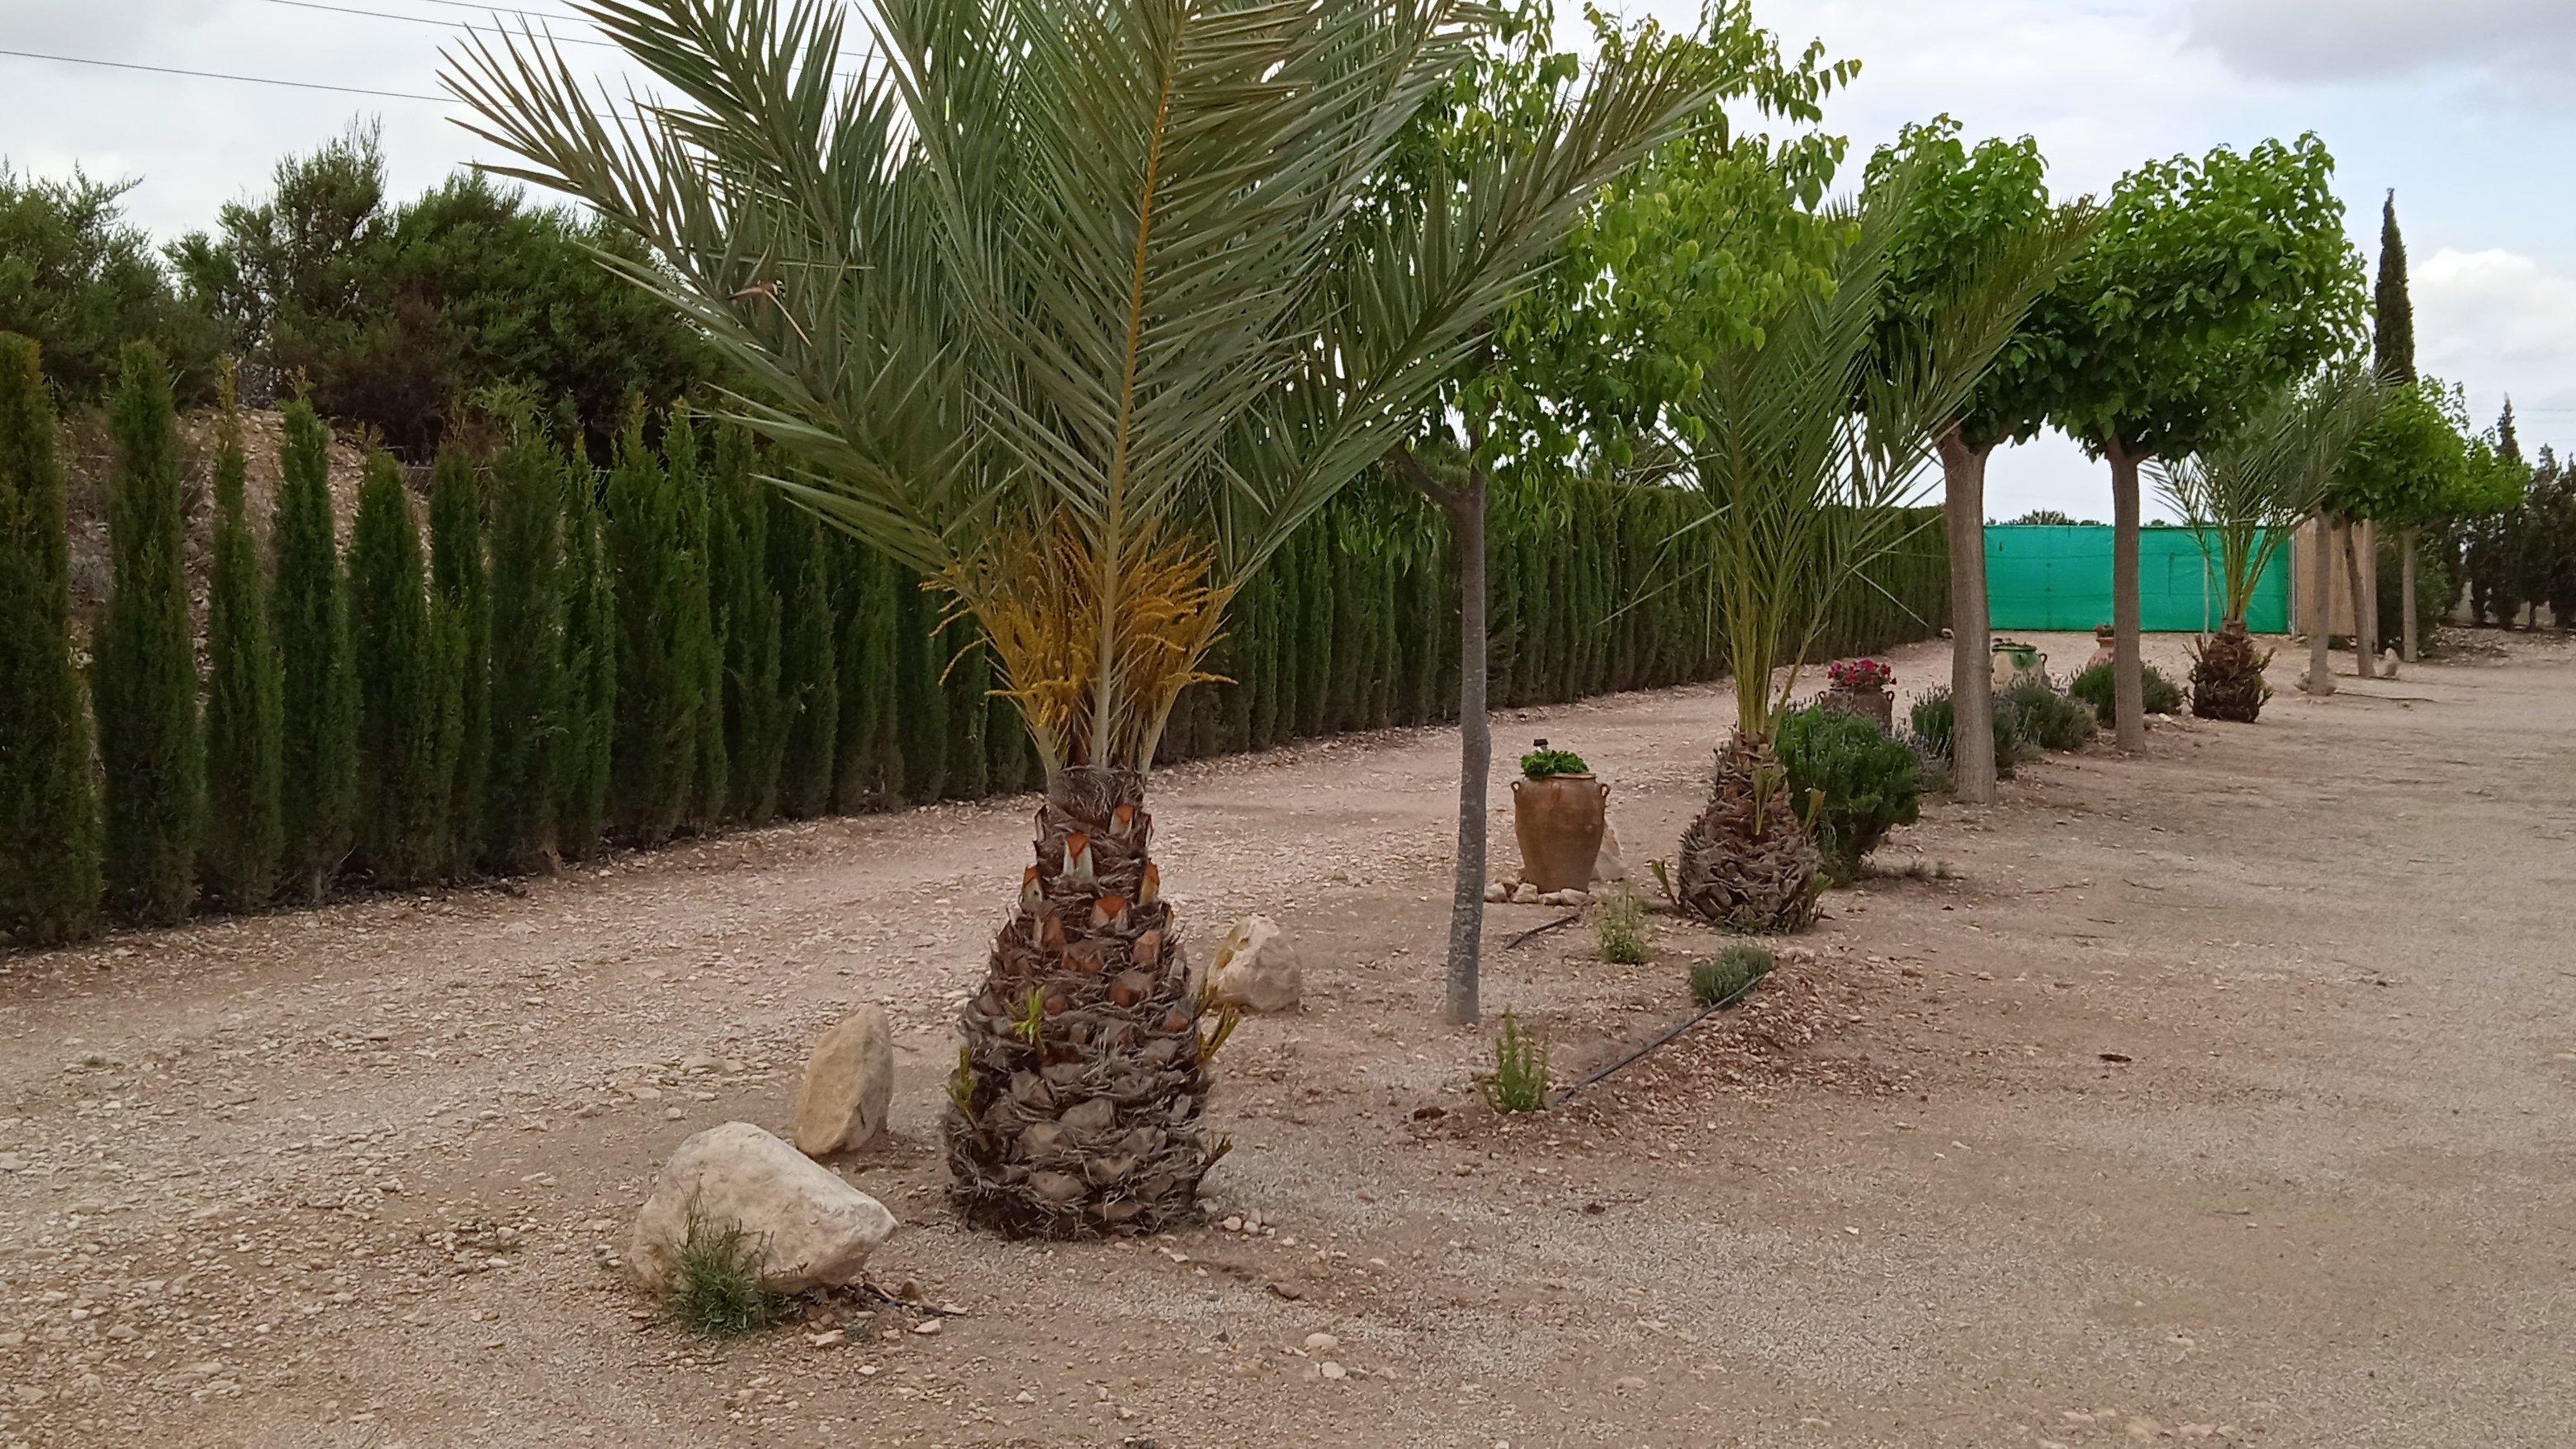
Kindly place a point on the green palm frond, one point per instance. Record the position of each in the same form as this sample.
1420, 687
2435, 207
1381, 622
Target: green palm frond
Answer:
1069, 305
2245, 494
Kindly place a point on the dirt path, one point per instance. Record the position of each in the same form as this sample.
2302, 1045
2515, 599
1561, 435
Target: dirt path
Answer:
2222, 1095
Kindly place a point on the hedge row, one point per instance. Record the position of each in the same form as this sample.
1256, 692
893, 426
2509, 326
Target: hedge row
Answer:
580, 657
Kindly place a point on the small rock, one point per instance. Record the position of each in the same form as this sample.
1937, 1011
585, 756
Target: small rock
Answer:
1256, 968
1333, 1370
1629, 1383
813, 1228
830, 1338
1322, 1343
930, 1327
1497, 892
849, 1085
1525, 894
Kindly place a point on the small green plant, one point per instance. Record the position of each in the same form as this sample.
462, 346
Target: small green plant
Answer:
1621, 922
2093, 686
1543, 763
1859, 783
719, 1293
1734, 971
1518, 1082
2050, 718
1935, 720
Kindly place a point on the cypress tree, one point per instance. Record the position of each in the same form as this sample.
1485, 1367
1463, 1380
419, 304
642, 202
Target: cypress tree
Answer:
748, 609
697, 647
407, 705
586, 703
527, 640
920, 702
144, 670
870, 757
49, 874
2393, 335
809, 684
245, 760
462, 590
308, 618
657, 717
968, 674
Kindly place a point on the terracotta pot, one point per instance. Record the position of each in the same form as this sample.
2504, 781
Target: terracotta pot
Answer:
2014, 661
1559, 821
1878, 705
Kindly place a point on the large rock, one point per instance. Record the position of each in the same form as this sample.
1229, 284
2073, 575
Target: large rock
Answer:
813, 1228
1256, 968
1609, 867
849, 1085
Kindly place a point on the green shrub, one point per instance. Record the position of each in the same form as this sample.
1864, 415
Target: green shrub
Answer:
144, 667
718, 1292
49, 874
1865, 783
1620, 921
2093, 686
1935, 722
1734, 970
2049, 717
1518, 1082
1542, 763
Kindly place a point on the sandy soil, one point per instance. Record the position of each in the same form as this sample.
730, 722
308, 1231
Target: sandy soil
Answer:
2220, 1094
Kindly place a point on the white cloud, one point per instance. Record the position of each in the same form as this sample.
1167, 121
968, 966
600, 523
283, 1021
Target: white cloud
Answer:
2520, 42
2501, 321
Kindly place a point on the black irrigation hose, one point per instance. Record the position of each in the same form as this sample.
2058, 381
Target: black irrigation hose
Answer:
1721, 1004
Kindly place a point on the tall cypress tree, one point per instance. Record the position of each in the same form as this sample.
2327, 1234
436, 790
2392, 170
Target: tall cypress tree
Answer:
527, 637
2393, 336
587, 705
461, 587
809, 682
967, 674
145, 665
309, 621
49, 873
245, 760
920, 700
870, 767
748, 608
657, 686
407, 705
697, 647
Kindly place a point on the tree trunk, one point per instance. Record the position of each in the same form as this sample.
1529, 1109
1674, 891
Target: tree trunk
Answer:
1972, 671
1475, 755
2365, 614
2406, 641
2321, 611
2128, 685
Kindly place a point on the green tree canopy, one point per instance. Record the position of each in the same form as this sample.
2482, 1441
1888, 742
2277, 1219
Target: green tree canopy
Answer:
81, 283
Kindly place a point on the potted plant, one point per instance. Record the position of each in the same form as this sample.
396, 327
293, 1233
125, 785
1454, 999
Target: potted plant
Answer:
1862, 687
1559, 811
2016, 661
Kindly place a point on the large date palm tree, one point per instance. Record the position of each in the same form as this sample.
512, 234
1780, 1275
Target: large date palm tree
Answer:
1061, 303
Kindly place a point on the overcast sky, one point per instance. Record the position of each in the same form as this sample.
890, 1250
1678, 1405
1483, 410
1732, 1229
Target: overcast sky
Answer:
2457, 105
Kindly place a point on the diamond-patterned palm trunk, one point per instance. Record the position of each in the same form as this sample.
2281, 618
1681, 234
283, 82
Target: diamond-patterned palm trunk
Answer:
1075, 1108
1747, 863
2227, 676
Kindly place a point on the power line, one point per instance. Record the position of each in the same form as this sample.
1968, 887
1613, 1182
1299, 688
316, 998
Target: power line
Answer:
443, 24
257, 80
494, 10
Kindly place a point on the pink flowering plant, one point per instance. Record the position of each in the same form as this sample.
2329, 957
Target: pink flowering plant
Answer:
1859, 676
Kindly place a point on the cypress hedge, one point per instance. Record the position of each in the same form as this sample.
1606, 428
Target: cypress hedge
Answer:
584, 731
528, 645
144, 664
748, 611
461, 588
245, 762
49, 872
697, 649
407, 694
801, 569
658, 678
309, 624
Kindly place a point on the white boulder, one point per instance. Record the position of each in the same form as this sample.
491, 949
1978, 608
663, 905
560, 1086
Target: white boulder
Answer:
1256, 968
812, 1228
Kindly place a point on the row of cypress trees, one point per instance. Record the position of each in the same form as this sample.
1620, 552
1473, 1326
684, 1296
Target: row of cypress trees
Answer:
568, 657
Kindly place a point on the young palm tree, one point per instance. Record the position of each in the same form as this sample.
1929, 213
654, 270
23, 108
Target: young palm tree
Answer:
2245, 496
1054, 302
1806, 450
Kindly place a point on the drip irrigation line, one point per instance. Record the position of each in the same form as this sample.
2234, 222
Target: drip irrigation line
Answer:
1705, 1012
1534, 932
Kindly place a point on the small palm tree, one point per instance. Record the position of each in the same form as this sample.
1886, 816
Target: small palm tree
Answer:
1065, 305
2244, 497
1807, 449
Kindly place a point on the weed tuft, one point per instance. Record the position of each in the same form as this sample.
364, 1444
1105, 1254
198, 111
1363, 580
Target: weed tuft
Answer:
1734, 971
1518, 1082
718, 1293
1620, 920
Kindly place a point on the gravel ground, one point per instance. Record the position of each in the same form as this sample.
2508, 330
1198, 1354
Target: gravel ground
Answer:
2218, 1094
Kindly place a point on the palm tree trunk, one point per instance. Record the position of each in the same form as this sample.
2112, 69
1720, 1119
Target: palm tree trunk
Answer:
2320, 611
2128, 684
2365, 616
2406, 641
1972, 672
